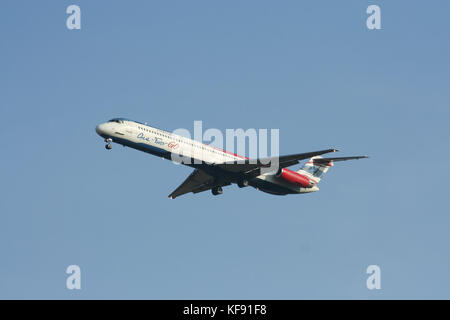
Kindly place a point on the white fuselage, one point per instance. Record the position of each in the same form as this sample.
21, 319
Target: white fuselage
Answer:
178, 148
161, 142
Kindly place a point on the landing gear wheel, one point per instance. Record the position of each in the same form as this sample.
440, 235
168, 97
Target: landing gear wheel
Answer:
108, 147
216, 191
243, 183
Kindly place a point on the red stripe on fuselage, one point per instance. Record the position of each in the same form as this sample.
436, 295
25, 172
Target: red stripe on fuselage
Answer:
230, 153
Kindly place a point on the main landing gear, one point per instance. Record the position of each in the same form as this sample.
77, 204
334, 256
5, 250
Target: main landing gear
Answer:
217, 190
243, 183
108, 144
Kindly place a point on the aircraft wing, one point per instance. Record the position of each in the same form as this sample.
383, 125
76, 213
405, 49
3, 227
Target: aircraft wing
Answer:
196, 182
248, 166
200, 180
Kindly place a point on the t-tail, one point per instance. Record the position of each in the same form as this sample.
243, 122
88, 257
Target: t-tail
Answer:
317, 166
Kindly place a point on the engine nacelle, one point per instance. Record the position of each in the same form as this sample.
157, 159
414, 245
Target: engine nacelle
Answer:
295, 178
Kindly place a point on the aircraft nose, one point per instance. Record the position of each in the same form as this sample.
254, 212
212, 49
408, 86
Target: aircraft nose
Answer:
100, 129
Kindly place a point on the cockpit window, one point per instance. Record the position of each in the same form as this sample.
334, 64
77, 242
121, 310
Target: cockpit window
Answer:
116, 120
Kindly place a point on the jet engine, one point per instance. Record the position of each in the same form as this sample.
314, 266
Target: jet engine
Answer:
295, 178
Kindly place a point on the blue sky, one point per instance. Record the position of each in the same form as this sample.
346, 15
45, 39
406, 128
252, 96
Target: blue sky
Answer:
310, 68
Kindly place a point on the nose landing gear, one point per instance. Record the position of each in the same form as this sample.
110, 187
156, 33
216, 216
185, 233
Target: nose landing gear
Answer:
108, 143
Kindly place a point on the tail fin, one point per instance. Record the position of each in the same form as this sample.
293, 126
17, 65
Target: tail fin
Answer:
315, 170
317, 166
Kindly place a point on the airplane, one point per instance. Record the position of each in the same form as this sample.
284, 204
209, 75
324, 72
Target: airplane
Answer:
215, 168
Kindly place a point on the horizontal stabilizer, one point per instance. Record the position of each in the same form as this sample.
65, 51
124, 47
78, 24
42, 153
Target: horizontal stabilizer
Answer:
327, 160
